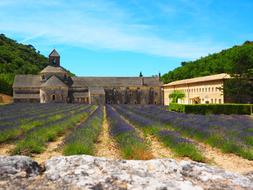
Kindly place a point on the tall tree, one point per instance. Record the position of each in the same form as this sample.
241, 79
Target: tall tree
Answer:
240, 88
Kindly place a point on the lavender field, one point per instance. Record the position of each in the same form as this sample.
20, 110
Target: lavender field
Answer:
30, 129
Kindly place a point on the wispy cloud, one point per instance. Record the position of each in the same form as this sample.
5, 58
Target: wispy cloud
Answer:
95, 25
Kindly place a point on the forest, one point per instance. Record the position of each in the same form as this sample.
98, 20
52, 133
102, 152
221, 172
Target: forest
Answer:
16, 58
225, 61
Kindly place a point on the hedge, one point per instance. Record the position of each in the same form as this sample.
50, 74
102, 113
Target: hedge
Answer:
240, 109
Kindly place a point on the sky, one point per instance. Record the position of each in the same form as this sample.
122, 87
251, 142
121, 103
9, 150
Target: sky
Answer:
126, 37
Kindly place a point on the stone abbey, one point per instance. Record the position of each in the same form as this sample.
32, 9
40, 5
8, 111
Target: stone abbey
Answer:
53, 84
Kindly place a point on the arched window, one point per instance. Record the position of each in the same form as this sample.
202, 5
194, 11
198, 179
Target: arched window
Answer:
53, 97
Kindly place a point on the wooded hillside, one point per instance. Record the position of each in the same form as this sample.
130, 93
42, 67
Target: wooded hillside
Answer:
222, 62
17, 58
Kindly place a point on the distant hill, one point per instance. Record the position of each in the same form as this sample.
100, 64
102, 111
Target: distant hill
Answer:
222, 62
16, 58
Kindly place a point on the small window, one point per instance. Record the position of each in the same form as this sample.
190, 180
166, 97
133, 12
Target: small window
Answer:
219, 101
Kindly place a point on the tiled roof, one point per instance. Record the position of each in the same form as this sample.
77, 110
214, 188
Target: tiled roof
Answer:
96, 90
52, 69
87, 82
114, 81
200, 79
54, 82
27, 81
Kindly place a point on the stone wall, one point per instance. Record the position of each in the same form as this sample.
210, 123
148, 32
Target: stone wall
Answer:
133, 95
53, 95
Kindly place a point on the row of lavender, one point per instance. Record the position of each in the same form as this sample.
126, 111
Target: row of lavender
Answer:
180, 146
19, 123
230, 133
17, 114
130, 142
36, 139
83, 138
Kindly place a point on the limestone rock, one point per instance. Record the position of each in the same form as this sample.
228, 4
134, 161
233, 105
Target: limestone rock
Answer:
100, 173
18, 167
87, 172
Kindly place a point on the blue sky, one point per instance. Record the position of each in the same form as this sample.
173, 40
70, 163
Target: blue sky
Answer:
124, 37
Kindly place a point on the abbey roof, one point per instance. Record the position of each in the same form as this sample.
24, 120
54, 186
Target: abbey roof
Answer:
29, 81
115, 81
52, 69
53, 81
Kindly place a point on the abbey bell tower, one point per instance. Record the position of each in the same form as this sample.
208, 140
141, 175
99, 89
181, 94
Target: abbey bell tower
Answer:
54, 58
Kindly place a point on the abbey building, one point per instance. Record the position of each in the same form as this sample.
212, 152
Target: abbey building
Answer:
53, 84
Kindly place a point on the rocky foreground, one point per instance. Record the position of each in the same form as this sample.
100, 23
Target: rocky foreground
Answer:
87, 172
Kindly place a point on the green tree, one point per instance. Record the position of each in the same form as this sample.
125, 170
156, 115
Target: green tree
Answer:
176, 95
240, 88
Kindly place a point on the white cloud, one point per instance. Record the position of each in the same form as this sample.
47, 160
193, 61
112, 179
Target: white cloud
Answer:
96, 25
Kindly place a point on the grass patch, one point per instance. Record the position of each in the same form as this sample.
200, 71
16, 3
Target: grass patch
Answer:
132, 147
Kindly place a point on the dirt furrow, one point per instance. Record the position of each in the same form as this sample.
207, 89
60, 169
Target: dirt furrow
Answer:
5, 149
51, 151
229, 162
106, 146
158, 149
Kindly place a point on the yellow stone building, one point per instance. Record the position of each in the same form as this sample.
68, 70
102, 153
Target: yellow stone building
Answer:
200, 90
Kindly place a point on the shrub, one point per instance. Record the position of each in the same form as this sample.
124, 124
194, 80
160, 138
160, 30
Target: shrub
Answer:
177, 107
240, 109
